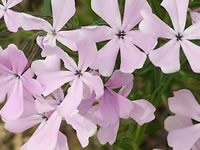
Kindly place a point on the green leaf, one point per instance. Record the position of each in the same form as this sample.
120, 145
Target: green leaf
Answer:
46, 10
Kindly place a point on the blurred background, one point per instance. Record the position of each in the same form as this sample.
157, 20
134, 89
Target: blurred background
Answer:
149, 83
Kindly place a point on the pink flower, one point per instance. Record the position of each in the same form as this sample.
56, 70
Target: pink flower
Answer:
82, 82
47, 135
183, 134
113, 106
15, 81
121, 36
167, 57
62, 11
11, 18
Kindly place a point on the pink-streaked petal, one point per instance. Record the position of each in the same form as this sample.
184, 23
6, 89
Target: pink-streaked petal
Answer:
176, 122
192, 32
94, 83
29, 22
183, 103
50, 64
62, 143
33, 86
108, 134
68, 61
46, 137
109, 11
144, 41
143, 111
14, 106
106, 114
167, 57
22, 124
151, 21
192, 52
5, 70
54, 80
68, 38
122, 105
73, 98
177, 10
106, 58
131, 57
119, 79
134, 7
17, 58
12, 3
83, 126
184, 138
87, 51
64, 7
98, 33
12, 20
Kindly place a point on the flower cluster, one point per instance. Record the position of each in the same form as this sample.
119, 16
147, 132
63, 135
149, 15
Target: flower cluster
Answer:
58, 88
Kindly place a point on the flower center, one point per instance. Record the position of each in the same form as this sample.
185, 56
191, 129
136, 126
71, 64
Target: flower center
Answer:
179, 37
53, 32
17, 76
78, 73
121, 34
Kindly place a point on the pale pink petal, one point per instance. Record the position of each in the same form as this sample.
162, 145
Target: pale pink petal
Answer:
134, 7
94, 83
49, 40
143, 111
192, 52
68, 38
106, 114
50, 64
58, 94
40, 42
73, 98
184, 138
99, 33
1, 11
122, 105
131, 57
87, 51
29, 22
33, 86
167, 57
176, 122
108, 134
183, 103
125, 90
192, 32
62, 12
195, 16
151, 21
12, 20
86, 104
12, 3
119, 79
22, 124
4, 2
83, 126
144, 41
62, 143
46, 137
177, 10
109, 11
68, 61
106, 58
54, 80
196, 146
17, 58
14, 106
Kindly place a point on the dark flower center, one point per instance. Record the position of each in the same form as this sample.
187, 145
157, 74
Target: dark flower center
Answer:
53, 32
17, 76
78, 73
121, 34
179, 37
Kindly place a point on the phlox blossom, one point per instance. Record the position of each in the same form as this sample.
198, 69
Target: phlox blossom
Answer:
167, 57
